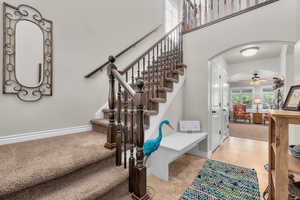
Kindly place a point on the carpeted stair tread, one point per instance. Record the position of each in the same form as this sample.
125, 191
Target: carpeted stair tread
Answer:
91, 182
30, 163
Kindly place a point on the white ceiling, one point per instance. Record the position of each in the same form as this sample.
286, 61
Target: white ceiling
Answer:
266, 50
241, 77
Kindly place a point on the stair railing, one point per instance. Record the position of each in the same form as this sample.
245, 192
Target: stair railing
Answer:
198, 14
153, 67
128, 99
137, 170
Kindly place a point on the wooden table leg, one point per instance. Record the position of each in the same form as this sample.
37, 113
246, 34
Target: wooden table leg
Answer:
281, 159
271, 157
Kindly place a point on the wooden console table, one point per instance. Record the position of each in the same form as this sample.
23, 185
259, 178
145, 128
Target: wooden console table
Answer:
281, 162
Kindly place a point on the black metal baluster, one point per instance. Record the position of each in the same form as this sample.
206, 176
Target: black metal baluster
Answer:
144, 65
148, 85
174, 51
161, 64
144, 68
171, 56
200, 13
181, 47
177, 45
157, 70
125, 130
164, 62
153, 73
138, 72
119, 132
218, 8
167, 56
131, 159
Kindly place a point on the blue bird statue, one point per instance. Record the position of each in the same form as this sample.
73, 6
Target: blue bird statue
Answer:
150, 146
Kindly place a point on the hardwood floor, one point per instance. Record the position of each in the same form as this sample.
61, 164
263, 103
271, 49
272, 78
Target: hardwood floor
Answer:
249, 131
238, 151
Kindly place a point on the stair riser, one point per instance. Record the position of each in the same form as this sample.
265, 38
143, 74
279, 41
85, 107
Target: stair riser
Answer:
99, 129
154, 106
32, 193
120, 192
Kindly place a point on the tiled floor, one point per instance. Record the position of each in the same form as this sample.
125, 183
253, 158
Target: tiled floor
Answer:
242, 152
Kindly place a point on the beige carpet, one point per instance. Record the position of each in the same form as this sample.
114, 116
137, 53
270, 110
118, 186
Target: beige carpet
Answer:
69, 167
249, 131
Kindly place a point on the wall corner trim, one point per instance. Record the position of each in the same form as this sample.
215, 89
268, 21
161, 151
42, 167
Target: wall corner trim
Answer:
43, 134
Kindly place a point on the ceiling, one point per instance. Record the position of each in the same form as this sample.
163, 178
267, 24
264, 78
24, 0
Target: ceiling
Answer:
266, 50
241, 77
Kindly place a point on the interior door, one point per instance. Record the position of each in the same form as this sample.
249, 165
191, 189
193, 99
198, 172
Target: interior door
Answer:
215, 107
225, 105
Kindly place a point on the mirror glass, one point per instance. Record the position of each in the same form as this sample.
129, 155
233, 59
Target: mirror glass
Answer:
29, 53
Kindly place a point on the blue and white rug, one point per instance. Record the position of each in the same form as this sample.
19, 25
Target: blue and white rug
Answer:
223, 181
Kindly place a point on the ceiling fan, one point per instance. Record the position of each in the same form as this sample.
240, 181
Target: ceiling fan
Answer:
257, 80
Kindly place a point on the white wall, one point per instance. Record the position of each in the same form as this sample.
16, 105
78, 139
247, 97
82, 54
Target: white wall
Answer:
275, 22
295, 130
85, 34
174, 113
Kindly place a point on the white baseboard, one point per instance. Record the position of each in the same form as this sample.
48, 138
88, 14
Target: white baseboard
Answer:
43, 134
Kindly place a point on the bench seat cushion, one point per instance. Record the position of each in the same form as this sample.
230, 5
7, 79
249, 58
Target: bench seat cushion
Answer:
180, 141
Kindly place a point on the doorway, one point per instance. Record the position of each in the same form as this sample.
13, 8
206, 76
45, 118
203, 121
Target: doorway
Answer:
241, 89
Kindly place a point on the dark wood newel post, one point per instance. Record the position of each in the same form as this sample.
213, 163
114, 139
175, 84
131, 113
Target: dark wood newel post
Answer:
140, 172
111, 139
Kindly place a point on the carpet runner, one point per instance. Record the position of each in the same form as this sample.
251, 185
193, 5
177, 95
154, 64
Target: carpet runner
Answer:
223, 181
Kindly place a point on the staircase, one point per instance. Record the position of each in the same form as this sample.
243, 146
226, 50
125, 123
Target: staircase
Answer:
65, 167
95, 165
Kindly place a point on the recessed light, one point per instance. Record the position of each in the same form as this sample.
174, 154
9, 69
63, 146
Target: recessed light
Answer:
248, 52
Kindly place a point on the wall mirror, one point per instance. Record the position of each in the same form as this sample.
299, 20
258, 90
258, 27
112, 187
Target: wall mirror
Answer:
27, 49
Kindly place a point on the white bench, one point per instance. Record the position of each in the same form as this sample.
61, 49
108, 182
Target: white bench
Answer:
174, 146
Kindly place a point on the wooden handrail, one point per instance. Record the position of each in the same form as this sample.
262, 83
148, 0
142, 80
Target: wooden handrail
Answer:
125, 85
100, 68
122, 72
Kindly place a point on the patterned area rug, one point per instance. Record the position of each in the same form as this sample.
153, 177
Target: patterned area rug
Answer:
223, 181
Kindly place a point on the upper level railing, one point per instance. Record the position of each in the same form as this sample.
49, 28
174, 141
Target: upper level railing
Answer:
100, 68
202, 13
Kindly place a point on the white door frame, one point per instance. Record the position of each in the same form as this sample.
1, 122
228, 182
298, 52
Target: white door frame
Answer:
222, 137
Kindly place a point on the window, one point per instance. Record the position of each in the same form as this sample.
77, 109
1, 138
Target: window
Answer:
267, 97
171, 14
242, 96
